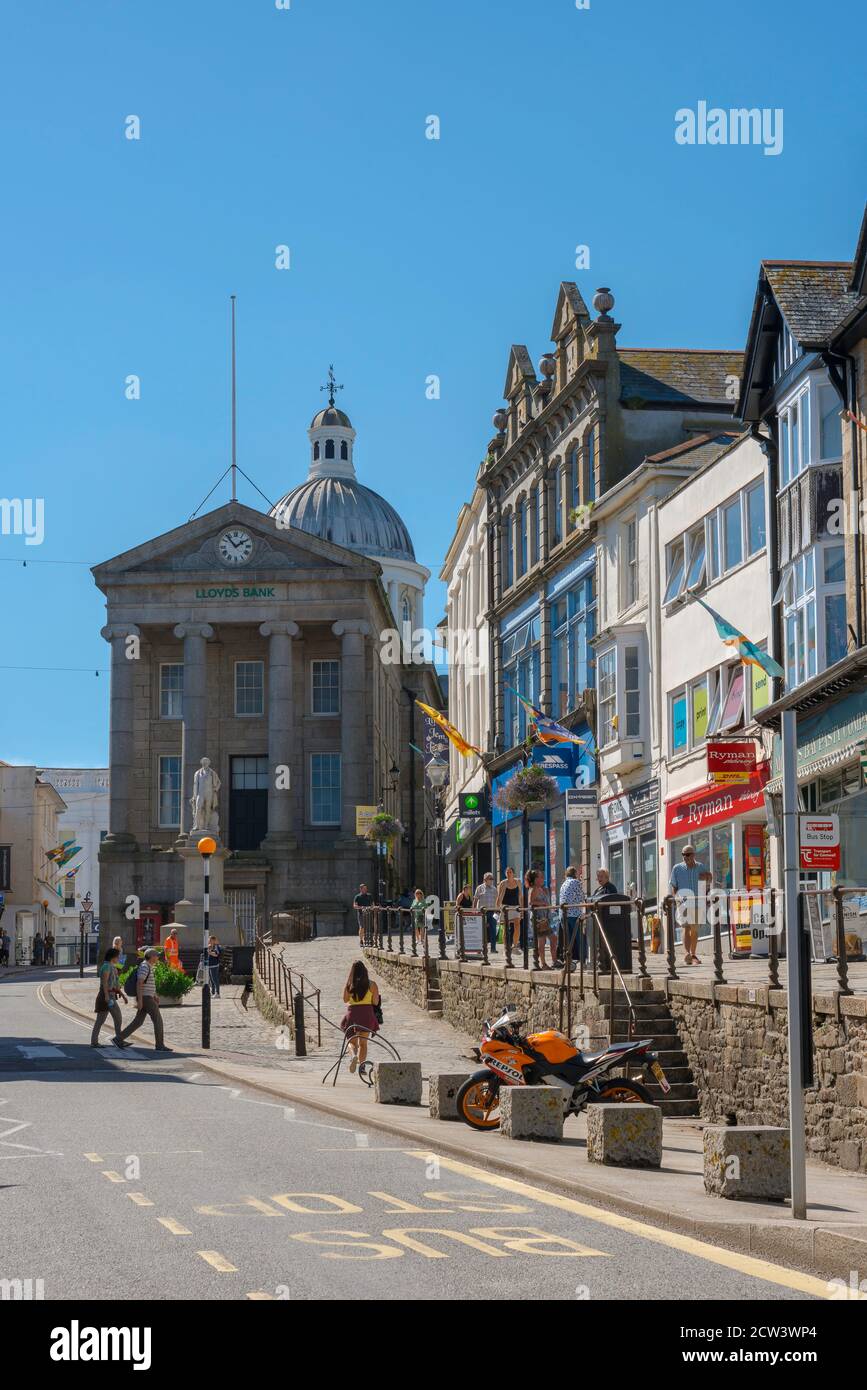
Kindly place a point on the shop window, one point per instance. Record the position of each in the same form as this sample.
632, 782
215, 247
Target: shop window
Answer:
698, 698
647, 863
679, 728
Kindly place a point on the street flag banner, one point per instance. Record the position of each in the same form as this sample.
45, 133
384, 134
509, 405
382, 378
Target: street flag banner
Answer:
450, 731
547, 729
60, 849
749, 653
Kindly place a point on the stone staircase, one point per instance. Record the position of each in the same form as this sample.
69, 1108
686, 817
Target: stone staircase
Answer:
653, 1021
434, 993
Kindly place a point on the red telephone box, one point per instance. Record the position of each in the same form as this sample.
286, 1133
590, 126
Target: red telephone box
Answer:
148, 927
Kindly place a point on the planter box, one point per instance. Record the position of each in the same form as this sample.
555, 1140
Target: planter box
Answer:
166, 1003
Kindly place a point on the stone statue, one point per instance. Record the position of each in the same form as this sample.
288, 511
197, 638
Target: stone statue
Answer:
206, 785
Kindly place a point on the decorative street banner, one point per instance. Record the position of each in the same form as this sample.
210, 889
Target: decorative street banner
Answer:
709, 805
434, 743
731, 762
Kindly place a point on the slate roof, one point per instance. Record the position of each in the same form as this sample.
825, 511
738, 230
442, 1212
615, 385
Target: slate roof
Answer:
677, 375
700, 450
814, 296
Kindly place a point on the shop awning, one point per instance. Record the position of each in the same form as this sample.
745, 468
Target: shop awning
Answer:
710, 805
806, 771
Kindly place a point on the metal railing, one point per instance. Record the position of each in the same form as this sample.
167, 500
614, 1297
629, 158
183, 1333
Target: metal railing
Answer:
756, 919
292, 924
291, 990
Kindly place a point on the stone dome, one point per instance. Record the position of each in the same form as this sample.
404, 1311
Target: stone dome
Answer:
342, 510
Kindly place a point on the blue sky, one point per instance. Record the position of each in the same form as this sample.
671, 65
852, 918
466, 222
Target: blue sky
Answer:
410, 256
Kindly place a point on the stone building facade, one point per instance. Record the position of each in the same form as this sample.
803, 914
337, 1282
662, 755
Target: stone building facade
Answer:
248, 639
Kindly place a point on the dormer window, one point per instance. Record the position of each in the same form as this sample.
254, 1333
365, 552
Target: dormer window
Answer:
329, 448
316, 450
344, 449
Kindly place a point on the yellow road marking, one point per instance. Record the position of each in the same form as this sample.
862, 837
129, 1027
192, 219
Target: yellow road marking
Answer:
112, 1176
257, 1294
172, 1225
219, 1262
140, 1199
94, 1158
729, 1259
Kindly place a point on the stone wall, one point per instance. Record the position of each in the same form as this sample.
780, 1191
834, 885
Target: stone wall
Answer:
736, 1040
403, 973
472, 992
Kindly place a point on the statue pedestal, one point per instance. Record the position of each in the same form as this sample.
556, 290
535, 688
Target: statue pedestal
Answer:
190, 911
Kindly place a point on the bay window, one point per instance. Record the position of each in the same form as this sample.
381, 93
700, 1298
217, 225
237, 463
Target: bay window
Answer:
573, 624
607, 696
521, 664
814, 612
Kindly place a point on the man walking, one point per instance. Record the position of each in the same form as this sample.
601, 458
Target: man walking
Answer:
147, 1004
685, 879
361, 900
4, 947
486, 901
571, 911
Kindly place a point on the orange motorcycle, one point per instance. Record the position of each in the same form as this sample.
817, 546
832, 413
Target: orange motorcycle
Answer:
550, 1059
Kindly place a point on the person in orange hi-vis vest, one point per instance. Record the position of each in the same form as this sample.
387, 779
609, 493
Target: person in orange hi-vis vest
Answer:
173, 949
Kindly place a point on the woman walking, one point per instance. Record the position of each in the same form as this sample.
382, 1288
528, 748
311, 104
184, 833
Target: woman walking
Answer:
106, 999
417, 911
117, 945
361, 996
539, 905
510, 897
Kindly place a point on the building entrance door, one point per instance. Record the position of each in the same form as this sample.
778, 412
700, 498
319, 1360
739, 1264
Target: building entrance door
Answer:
248, 802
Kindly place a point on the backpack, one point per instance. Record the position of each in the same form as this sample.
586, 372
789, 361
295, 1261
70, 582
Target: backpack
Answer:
129, 987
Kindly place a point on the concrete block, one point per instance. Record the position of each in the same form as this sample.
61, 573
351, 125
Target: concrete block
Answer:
746, 1161
531, 1112
627, 1136
397, 1083
443, 1087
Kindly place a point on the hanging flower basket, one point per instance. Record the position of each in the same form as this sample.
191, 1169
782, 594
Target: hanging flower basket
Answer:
384, 827
529, 790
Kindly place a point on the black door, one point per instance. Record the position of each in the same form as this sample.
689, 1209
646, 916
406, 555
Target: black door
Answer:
248, 802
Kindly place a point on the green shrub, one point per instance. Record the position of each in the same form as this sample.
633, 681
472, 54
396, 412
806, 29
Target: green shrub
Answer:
171, 984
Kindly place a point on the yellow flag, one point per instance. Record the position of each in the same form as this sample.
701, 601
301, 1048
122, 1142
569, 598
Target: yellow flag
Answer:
450, 731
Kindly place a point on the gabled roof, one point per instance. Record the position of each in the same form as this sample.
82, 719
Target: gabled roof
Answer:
570, 306
519, 370
678, 375
813, 296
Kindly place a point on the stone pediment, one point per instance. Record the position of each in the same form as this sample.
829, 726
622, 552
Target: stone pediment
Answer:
570, 310
194, 547
519, 373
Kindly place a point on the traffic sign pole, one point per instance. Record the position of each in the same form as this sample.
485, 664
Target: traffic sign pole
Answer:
791, 860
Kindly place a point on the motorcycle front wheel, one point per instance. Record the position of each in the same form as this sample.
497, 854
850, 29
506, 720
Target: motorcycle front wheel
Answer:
618, 1090
478, 1102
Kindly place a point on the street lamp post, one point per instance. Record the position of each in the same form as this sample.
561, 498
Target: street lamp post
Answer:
438, 774
206, 848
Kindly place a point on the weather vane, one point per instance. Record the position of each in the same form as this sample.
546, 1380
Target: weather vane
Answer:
332, 385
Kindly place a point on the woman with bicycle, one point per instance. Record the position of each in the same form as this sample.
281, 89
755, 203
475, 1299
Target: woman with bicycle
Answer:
362, 1000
